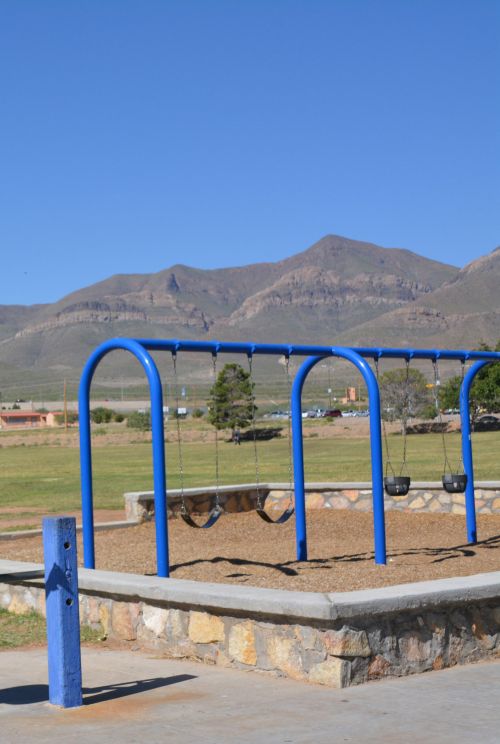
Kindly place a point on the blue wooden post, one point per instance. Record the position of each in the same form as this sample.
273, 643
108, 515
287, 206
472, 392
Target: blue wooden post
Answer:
63, 621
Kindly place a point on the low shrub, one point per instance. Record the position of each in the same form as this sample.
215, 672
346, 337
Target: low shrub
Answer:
102, 415
141, 421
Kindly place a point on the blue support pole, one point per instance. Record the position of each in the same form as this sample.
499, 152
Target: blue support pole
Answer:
86, 466
375, 445
158, 446
470, 504
63, 622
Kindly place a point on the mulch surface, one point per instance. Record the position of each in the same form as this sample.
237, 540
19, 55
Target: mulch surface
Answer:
242, 549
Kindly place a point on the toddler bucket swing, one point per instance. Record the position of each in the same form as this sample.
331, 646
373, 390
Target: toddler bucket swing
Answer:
453, 480
397, 484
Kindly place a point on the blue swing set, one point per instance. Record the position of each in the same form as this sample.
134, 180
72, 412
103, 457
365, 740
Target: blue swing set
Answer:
359, 357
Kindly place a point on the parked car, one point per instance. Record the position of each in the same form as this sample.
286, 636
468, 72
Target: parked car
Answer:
333, 413
277, 414
487, 423
487, 419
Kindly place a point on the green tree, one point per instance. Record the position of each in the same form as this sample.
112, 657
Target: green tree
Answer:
403, 396
449, 393
485, 391
231, 399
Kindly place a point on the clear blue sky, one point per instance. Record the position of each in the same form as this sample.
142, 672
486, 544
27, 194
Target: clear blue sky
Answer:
139, 134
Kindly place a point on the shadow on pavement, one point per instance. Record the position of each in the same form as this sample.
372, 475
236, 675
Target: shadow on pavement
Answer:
122, 689
29, 694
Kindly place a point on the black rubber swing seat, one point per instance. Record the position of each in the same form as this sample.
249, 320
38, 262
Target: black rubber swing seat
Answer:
284, 517
454, 482
211, 520
397, 485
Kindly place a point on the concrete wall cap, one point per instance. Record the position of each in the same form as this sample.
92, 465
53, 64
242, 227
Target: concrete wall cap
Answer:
258, 601
417, 596
311, 486
208, 596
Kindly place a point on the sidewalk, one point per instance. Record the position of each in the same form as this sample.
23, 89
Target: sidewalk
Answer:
132, 697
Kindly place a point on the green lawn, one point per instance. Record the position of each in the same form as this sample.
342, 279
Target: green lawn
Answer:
48, 477
22, 630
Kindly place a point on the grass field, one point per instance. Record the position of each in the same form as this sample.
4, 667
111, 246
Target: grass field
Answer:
48, 476
30, 629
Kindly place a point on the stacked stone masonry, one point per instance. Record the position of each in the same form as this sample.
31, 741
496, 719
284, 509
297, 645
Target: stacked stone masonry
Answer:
428, 498
332, 652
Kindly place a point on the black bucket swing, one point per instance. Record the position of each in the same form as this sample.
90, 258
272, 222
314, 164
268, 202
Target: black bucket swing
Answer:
259, 508
454, 480
217, 509
397, 484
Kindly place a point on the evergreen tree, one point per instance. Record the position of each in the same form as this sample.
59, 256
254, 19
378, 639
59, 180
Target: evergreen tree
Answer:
231, 399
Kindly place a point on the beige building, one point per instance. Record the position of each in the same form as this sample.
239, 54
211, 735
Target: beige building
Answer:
10, 420
22, 420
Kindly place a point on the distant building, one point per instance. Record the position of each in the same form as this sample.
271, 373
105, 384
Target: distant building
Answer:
52, 418
22, 419
29, 419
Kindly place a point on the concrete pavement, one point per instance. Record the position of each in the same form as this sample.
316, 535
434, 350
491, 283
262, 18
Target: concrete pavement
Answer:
133, 697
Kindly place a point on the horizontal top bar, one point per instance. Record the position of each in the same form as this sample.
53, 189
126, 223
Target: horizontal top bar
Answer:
230, 347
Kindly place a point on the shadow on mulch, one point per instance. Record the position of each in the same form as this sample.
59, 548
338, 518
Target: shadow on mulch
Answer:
287, 568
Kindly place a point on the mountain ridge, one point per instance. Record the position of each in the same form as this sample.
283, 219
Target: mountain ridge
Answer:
336, 291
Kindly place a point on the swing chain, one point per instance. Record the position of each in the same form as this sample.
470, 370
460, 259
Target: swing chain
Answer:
178, 429
405, 415
388, 463
461, 466
260, 505
216, 512
217, 475
437, 383
285, 516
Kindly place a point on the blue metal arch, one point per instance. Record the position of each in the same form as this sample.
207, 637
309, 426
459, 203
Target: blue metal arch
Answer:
470, 506
159, 471
375, 444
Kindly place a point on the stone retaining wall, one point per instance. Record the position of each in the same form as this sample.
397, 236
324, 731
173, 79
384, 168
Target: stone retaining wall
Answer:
422, 497
332, 639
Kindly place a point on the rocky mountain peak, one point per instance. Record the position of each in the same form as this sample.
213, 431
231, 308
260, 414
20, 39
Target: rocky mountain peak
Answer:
337, 290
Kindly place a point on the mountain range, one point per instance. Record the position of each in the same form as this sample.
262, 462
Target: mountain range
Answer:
337, 291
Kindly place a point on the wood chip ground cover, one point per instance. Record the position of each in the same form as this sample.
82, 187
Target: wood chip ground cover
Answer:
242, 549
